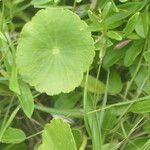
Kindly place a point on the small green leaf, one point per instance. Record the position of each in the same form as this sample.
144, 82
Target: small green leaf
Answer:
94, 18
112, 56
106, 9
26, 98
94, 86
67, 101
77, 136
142, 26
131, 24
114, 35
57, 136
13, 135
102, 42
13, 83
109, 121
115, 83
133, 52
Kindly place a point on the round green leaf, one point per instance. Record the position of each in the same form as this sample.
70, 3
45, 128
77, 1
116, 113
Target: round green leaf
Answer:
57, 136
54, 51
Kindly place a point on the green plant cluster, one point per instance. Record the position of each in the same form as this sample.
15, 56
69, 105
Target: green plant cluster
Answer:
74, 75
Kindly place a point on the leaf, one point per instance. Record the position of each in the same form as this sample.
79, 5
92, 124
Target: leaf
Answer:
101, 43
21, 146
67, 101
133, 52
115, 83
13, 83
141, 107
54, 50
114, 35
57, 136
106, 9
142, 26
140, 78
131, 24
112, 56
13, 135
26, 98
109, 121
94, 86
93, 17
116, 19
77, 136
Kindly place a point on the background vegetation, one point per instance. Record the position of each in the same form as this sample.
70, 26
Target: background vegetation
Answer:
110, 109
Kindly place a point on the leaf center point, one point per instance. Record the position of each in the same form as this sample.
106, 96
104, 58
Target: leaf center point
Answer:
55, 51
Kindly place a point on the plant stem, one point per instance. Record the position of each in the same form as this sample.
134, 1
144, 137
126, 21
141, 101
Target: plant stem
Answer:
120, 104
77, 113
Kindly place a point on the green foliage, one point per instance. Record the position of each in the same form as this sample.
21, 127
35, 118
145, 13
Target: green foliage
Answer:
51, 139
59, 40
83, 66
13, 135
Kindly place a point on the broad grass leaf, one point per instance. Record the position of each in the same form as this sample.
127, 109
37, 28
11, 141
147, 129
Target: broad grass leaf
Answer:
133, 52
26, 99
57, 136
13, 135
54, 51
92, 122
